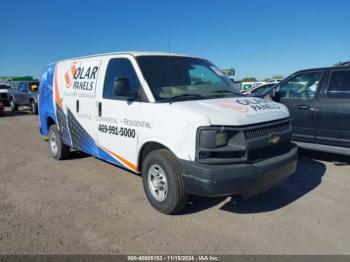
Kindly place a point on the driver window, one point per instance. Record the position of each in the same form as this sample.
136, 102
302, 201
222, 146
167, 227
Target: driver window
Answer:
22, 87
303, 86
119, 67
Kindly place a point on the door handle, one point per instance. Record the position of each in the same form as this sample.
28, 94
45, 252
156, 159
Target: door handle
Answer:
99, 109
304, 107
77, 106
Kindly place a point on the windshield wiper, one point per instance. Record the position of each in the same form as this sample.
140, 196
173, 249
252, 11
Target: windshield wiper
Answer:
224, 91
187, 96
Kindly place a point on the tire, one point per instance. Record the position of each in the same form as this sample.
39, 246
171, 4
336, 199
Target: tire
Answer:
165, 163
57, 149
14, 106
33, 107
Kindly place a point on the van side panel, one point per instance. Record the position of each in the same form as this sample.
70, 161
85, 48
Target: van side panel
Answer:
50, 105
78, 129
46, 108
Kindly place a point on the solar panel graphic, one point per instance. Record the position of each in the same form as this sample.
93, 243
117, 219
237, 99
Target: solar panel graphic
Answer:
63, 127
80, 137
73, 134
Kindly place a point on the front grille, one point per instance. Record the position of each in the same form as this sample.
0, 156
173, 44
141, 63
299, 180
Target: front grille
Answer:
269, 151
265, 131
3, 95
250, 144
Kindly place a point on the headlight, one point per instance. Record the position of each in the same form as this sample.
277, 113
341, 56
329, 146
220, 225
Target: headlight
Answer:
218, 145
221, 139
213, 138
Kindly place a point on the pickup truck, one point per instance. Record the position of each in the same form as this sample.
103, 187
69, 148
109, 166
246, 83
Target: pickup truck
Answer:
318, 100
24, 93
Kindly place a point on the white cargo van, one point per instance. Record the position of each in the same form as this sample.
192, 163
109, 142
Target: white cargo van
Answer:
175, 119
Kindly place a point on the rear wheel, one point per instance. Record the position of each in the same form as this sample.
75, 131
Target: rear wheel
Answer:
14, 106
57, 149
33, 107
162, 182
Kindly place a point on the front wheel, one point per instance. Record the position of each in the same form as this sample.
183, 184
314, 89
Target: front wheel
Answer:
33, 107
162, 182
57, 149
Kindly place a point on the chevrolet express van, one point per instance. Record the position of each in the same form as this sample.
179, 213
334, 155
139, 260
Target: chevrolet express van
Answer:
174, 119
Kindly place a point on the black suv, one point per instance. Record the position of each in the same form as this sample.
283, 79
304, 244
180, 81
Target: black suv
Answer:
319, 103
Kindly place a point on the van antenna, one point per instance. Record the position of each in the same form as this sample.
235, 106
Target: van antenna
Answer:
169, 60
169, 38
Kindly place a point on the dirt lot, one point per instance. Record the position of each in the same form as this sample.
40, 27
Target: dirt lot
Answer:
87, 206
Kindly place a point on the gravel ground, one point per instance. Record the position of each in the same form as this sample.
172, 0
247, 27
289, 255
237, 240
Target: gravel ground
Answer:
87, 206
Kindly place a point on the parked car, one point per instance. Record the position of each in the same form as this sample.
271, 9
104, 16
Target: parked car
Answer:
24, 93
258, 89
245, 86
319, 103
275, 81
4, 90
175, 121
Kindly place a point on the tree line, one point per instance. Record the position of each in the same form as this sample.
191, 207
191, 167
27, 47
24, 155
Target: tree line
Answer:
18, 78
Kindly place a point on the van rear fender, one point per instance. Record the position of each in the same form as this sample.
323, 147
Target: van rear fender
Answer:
45, 105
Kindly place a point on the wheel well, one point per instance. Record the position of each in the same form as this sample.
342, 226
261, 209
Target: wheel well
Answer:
147, 148
50, 122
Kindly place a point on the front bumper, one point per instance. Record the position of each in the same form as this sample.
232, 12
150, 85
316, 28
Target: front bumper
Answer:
4, 97
244, 178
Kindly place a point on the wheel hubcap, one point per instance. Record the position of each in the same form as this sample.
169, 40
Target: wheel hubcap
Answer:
54, 143
157, 182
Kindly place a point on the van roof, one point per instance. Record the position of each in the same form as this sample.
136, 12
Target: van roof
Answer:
133, 53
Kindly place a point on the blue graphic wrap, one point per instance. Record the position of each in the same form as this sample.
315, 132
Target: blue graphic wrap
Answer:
63, 126
71, 131
80, 138
107, 157
46, 108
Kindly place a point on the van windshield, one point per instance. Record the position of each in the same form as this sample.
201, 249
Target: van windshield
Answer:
176, 78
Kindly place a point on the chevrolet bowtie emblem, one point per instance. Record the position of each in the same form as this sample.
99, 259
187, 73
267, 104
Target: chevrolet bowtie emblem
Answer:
274, 138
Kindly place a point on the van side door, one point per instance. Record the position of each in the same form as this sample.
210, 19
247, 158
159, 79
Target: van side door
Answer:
117, 111
299, 94
332, 119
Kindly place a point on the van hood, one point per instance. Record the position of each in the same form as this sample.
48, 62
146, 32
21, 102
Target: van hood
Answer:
236, 111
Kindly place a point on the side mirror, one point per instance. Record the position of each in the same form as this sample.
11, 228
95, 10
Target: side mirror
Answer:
133, 94
275, 95
121, 87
